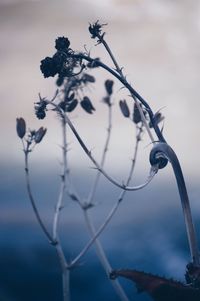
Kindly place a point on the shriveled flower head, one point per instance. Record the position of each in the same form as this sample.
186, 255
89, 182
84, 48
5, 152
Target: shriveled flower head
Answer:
95, 29
62, 44
48, 67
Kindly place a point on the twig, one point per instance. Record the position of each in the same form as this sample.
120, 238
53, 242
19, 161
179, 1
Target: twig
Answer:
88, 153
33, 203
59, 206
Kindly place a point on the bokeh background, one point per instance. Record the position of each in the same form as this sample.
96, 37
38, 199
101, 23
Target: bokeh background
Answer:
157, 42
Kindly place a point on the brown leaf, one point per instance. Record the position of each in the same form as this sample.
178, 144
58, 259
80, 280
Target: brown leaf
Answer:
159, 288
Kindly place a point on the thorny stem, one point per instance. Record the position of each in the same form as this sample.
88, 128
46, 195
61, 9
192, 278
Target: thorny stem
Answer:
130, 88
99, 249
186, 206
119, 70
94, 187
88, 153
98, 232
103, 258
59, 206
35, 210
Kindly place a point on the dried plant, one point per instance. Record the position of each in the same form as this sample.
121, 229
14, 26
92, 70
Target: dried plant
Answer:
72, 69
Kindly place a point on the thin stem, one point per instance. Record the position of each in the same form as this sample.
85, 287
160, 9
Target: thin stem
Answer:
94, 187
118, 69
59, 206
89, 154
33, 203
105, 223
130, 88
103, 258
161, 149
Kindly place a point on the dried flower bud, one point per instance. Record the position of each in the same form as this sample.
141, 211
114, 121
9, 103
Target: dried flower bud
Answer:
72, 105
95, 29
124, 108
48, 67
109, 86
60, 81
21, 127
87, 78
39, 134
157, 118
136, 114
62, 44
87, 105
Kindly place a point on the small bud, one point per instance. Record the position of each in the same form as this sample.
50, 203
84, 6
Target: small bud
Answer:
124, 108
39, 134
87, 78
87, 105
136, 114
72, 105
21, 127
157, 118
109, 86
62, 44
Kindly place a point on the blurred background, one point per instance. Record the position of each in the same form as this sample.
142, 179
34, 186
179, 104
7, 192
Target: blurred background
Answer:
157, 42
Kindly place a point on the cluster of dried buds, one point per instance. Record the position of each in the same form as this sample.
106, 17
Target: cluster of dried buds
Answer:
29, 136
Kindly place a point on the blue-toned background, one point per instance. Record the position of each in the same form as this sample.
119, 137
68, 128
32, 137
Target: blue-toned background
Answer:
157, 42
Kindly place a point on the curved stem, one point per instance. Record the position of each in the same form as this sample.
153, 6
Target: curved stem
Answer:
88, 153
108, 218
35, 210
161, 149
131, 90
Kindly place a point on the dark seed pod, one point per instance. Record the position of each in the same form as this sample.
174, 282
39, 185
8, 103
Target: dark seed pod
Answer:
60, 81
39, 134
136, 115
40, 114
124, 108
72, 105
21, 127
109, 86
87, 105
87, 78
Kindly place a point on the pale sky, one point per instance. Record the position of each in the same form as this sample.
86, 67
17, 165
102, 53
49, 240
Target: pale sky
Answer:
156, 41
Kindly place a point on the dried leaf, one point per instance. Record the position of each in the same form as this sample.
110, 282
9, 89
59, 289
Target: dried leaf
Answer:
159, 288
